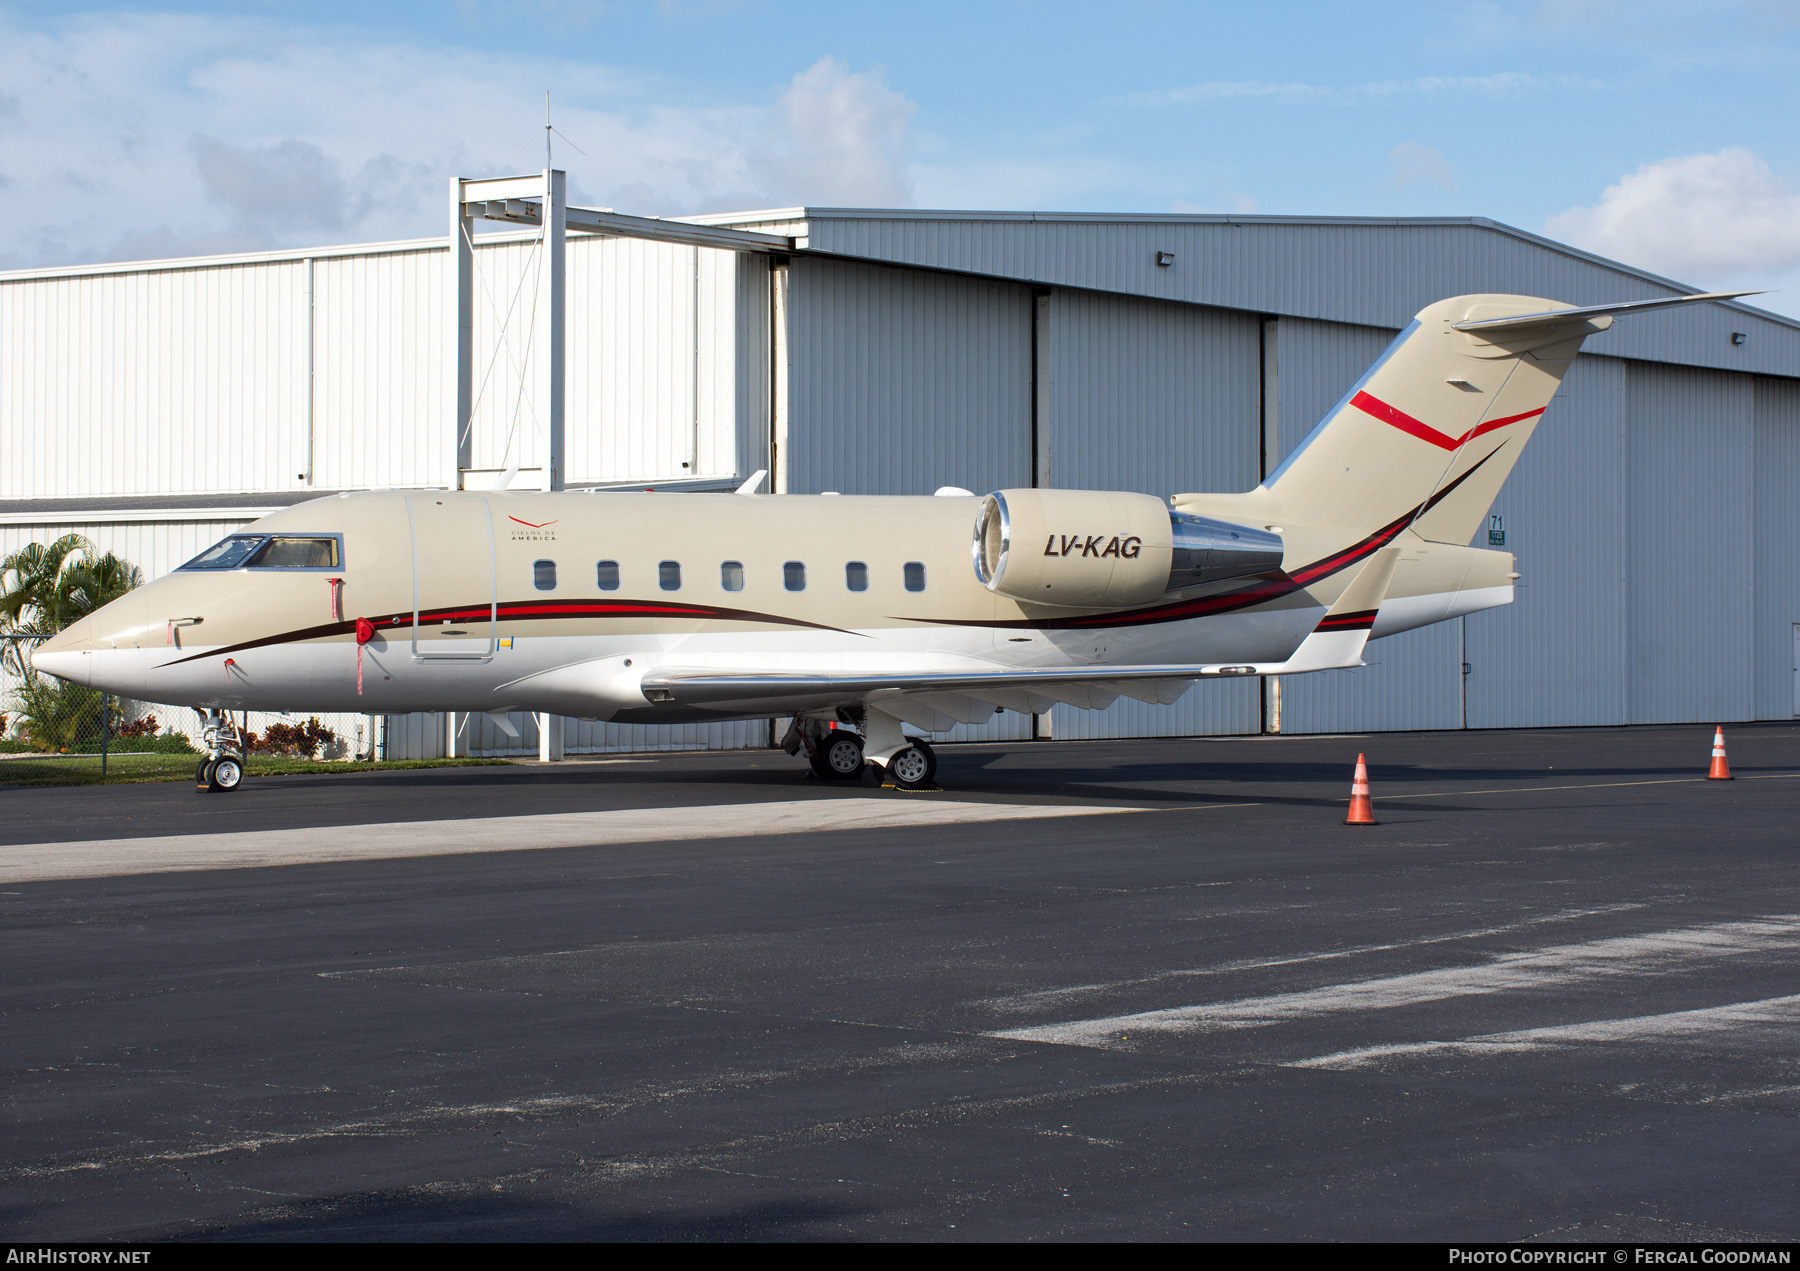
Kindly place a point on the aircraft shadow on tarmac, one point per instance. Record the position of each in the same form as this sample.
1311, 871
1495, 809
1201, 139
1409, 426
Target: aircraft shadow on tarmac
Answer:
1025, 774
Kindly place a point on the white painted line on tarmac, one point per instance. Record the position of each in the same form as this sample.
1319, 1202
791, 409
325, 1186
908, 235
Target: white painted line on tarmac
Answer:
1068, 994
1658, 953
1781, 1012
105, 858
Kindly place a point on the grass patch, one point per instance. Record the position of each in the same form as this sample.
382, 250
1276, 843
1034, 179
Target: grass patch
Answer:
84, 770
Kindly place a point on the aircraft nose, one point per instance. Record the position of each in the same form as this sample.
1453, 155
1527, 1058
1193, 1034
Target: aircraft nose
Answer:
65, 655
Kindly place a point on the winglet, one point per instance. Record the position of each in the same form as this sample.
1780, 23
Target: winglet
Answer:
754, 483
1339, 638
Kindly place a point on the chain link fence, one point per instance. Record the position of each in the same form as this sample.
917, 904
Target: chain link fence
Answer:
43, 718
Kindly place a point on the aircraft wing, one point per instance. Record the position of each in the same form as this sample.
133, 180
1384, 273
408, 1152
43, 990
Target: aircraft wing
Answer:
927, 697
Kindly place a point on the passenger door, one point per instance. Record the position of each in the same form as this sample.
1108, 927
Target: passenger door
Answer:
455, 593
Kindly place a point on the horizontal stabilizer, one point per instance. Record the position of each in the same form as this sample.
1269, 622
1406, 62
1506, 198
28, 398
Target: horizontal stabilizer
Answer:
1339, 638
1593, 311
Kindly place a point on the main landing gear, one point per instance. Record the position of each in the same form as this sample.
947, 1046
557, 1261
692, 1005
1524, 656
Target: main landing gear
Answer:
836, 754
223, 767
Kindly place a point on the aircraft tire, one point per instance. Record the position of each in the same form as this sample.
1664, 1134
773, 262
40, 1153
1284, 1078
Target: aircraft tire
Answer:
227, 774
839, 756
203, 775
914, 768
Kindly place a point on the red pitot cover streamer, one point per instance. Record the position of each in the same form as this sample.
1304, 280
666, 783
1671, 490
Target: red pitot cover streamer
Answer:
365, 632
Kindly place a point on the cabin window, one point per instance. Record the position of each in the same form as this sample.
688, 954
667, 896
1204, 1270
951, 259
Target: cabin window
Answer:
915, 576
731, 575
272, 551
606, 574
543, 575
668, 574
793, 576
856, 576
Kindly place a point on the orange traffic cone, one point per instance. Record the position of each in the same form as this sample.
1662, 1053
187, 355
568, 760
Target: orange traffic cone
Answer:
1720, 770
1362, 812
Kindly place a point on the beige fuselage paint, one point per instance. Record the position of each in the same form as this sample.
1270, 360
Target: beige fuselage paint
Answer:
487, 638
442, 603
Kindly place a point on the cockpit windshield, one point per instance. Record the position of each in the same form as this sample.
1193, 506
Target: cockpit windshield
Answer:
272, 551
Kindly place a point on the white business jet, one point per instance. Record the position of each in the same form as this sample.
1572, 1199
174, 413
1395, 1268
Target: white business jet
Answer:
915, 614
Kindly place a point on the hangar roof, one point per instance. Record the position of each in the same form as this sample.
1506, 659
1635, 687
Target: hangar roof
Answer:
1368, 271
1372, 271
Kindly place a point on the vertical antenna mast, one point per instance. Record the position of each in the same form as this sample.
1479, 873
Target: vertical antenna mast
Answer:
547, 130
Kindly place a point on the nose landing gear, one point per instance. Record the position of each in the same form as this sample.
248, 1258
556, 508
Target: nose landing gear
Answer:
223, 767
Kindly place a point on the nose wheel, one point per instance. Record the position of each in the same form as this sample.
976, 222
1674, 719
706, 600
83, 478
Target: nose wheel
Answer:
223, 767
224, 773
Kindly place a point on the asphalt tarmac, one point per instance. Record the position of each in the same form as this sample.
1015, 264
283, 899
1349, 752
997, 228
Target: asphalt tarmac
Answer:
1135, 990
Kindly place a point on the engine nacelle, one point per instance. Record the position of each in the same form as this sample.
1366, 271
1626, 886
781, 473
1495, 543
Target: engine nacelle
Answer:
1107, 549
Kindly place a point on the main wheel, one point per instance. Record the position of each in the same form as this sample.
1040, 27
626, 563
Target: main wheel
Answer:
203, 775
227, 773
914, 768
839, 756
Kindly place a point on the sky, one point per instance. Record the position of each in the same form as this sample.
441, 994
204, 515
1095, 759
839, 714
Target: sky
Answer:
1662, 133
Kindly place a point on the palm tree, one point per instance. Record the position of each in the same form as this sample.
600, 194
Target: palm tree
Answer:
46, 588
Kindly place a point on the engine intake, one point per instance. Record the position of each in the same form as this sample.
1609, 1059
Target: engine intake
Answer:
1107, 549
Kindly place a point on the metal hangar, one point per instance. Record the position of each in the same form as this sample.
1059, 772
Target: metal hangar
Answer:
156, 406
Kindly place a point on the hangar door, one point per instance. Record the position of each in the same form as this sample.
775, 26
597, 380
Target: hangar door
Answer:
1161, 398
902, 381
1414, 679
1689, 490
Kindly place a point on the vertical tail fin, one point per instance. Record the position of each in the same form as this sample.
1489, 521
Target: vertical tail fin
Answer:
1433, 428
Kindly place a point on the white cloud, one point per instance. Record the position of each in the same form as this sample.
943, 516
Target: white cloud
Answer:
1411, 163
137, 135
845, 137
1718, 219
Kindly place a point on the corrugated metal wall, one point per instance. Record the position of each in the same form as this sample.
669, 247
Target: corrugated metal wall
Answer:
1162, 399
379, 375
185, 380
1689, 557
1777, 414
1557, 654
901, 382
580, 736
155, 547
1371, 271
1412, 680
652, 362
196, 379
751, 346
